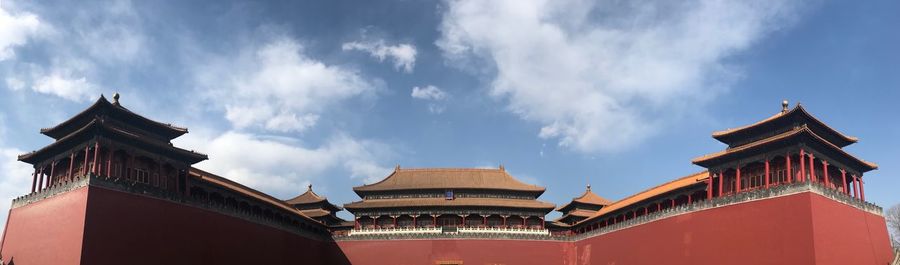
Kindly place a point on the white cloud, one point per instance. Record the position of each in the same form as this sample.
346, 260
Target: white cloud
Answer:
276, 87
15, 177
282, 165
403, 55
15, 29
602, 75
433, 95
428, 92
66, 86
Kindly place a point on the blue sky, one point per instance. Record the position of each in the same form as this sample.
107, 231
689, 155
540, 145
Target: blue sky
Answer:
562, 93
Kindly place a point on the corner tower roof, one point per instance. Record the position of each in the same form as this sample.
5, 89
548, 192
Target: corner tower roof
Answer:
115, 110
786, 118
588, 197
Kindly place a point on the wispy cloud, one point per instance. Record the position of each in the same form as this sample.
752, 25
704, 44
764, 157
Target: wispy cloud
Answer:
403, 55
433, 95
603, 76
276, 87
280, 165
15, 30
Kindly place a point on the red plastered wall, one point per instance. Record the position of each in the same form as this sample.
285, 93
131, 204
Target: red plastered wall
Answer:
46, 232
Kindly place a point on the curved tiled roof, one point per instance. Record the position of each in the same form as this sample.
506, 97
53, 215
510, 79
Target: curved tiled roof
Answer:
449, 178
652, 192
307, 197
430, 202
70, 125
315, 213
588, 197
798, 110
803, 130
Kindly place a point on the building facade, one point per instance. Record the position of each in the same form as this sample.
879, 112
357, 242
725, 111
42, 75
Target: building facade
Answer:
113, 189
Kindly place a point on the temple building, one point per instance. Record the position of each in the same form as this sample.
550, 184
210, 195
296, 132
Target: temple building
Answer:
449, 197
581, 207
113, 189
318, 207
790, 146
109, 140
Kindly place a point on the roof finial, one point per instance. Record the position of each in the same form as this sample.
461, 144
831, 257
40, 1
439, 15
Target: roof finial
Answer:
589, 187
309, 187
116, 98
784, 106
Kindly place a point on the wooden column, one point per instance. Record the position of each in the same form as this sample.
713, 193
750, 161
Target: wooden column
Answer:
721, 181
855, 187
414, 221
71, 166
844, 181
812, 168
34, 180
789, 173
109, 158
825, 173
709, 185
767, 173
737, 182
802, 166
41, 179
95, 168
84, 162
862, 189
52, 170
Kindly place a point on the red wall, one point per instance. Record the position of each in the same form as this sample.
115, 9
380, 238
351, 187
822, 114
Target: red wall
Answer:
47, 232
143, 230
771, 231
470, 251
122, 228
844, 235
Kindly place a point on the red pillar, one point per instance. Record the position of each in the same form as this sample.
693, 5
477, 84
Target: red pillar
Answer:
812, 168
109, 157
95, 168
737, 181
708, 186
767, 173
395, 221
414, 222
41, 179
484, 220
85, 162
721, 181
52, 170
802, 166
690, 200
825, 173
673, 203
855, 187
34, 180
374, 221
844, 181
464, 220
542, 223
789, 173
504, 220
646, 211
356, 222
862, 189
71, 165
